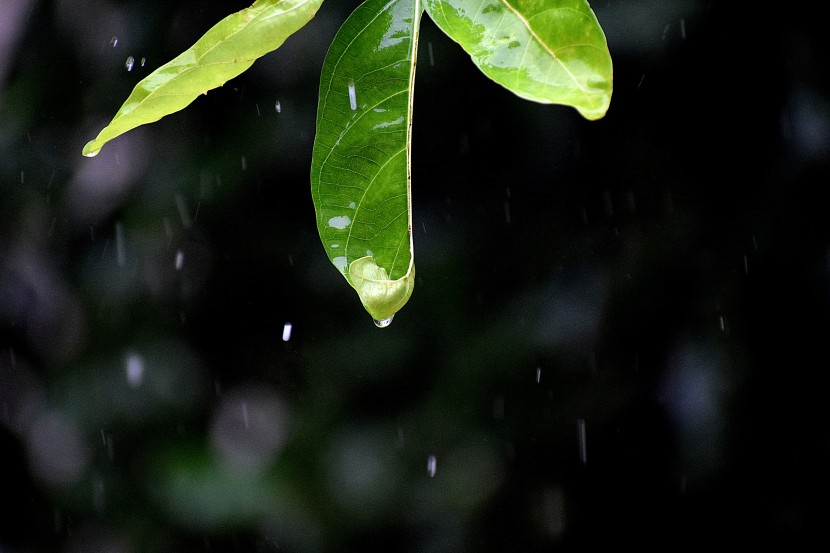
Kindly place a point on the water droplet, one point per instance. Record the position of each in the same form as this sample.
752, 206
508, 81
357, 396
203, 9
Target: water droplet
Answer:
120, 246
538, 374
143, 61
581, 437
432, 465
352, 96
286, 332
114, 41
179, 260
340, 222
129, 63
278, 107
134, 367
184, 212
383, 323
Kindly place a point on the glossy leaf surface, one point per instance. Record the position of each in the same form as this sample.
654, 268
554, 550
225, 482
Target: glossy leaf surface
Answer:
223, 52
360, 174
548, 51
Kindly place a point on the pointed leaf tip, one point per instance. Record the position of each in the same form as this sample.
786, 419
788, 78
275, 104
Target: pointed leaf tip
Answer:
91, 149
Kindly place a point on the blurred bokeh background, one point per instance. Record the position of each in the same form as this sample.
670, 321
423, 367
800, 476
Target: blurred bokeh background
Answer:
617, 336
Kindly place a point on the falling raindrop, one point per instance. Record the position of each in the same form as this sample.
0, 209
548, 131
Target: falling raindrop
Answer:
580, 433
244, 163
432, 465
143, 61
431, 57
683, 28
179, 260
286, 332
383, 323
278, 107
352, 96
538, 374
134, 367
245, 420
129, 63
114, 41
120, 247
184, 213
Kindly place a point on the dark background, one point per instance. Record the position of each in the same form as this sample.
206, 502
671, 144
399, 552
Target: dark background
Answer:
617, 336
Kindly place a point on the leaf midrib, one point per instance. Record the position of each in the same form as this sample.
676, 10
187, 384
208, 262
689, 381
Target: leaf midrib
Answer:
545, 47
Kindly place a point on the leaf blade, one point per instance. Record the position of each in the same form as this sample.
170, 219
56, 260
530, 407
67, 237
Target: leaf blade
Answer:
547, 51
360, 173
226, 50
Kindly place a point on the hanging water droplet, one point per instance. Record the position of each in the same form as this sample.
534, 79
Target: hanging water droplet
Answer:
89, 152
129, 63
352, 96
383, 323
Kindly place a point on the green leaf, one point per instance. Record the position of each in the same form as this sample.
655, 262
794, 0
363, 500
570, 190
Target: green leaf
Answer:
223, 52
548, 51
360, 172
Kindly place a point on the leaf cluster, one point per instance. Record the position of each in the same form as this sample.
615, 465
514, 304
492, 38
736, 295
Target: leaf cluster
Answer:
546, 51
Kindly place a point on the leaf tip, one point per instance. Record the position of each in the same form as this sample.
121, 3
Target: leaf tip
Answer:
91, 148
381, 296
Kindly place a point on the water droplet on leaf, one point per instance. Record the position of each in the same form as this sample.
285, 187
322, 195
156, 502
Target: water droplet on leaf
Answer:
352, 96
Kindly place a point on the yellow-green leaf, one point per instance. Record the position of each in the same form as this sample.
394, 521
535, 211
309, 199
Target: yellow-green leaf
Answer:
223, 52
547, 51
